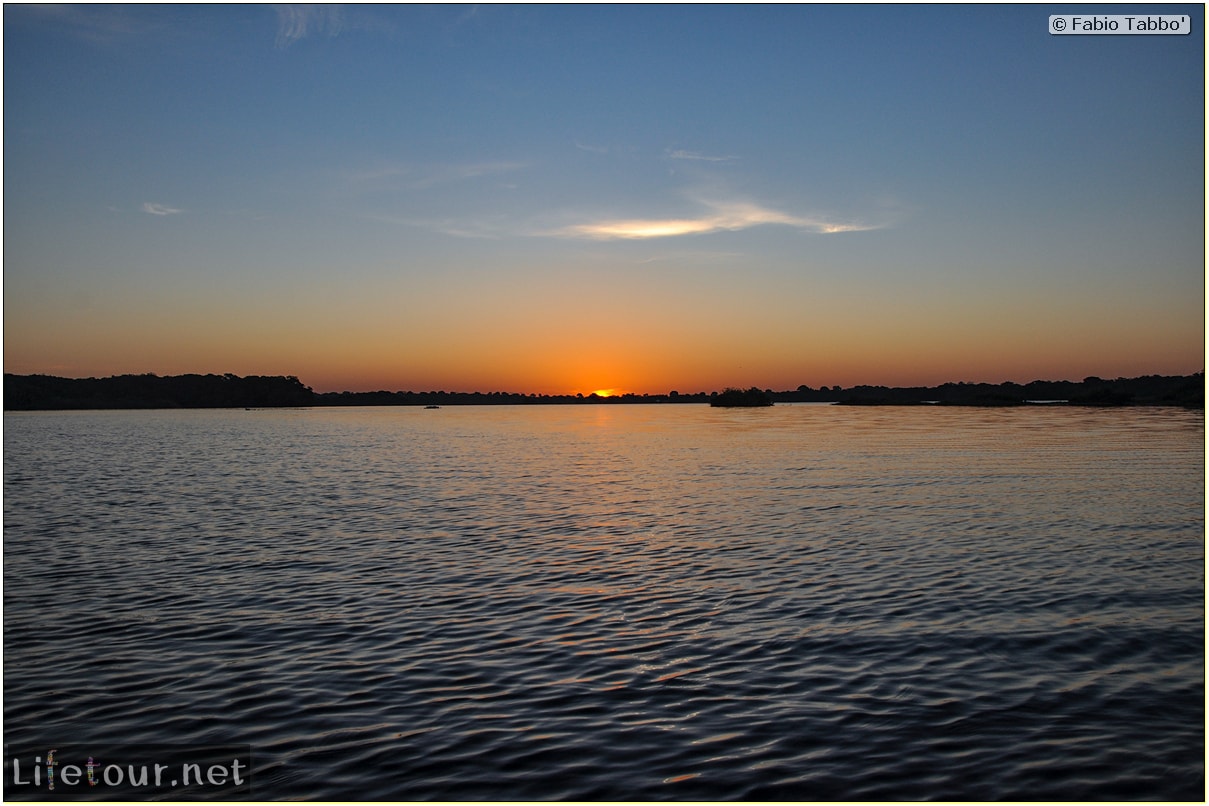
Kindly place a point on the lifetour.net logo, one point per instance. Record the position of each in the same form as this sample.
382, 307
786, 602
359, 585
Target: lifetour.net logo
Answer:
127, 772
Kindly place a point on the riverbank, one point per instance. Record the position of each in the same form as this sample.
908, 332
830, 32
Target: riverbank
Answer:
148, 391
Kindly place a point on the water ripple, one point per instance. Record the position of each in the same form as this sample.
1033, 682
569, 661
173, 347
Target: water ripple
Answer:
640, 602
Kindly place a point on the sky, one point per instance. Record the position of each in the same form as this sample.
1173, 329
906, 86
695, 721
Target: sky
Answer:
560, 199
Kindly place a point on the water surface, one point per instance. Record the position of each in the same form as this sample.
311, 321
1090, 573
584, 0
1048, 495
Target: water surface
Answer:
619, 602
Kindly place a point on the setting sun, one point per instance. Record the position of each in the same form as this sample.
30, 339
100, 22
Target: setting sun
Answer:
607, 392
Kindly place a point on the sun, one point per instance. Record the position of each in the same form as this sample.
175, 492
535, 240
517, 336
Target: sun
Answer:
607, 392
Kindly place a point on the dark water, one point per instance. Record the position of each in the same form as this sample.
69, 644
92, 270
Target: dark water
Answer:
619, 602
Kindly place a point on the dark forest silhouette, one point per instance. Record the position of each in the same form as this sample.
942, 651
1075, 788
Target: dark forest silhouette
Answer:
742, 398
43, 392
26, 392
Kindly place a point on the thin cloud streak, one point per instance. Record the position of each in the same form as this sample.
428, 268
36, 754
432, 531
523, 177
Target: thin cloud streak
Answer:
681, 154
723, 217
594, 149
160, 209
486, 228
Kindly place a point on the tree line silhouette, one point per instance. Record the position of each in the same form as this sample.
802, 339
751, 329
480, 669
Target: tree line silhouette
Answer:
149, 391
1148, 390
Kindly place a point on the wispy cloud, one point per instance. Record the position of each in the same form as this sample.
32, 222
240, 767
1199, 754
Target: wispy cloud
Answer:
426, 196
297, 21
484, 227
717, 216
467, 15
160, 209
681, 154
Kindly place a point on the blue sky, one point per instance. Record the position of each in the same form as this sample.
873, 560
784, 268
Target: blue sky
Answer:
568, 198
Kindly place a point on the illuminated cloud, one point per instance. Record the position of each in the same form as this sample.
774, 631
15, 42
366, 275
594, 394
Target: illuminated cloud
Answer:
720, 217
160, 209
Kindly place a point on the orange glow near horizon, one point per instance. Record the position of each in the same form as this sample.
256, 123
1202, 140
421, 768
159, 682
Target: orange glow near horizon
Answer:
564, 333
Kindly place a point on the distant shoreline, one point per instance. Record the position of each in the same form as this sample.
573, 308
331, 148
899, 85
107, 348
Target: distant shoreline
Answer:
149, 391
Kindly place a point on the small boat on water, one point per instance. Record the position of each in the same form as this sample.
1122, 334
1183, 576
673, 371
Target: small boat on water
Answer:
432, 407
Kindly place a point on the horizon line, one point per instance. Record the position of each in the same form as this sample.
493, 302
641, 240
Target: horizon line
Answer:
619, 392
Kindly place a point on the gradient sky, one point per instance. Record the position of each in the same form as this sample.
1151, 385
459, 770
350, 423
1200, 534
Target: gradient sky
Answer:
563, 199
